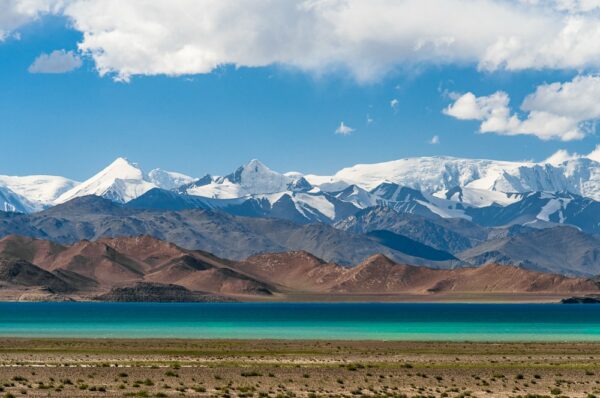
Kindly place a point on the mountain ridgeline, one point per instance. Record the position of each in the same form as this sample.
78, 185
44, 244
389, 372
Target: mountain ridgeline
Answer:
436, 212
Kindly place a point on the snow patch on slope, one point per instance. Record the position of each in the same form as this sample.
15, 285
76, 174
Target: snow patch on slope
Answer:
553, 206
317, 202
12, 202
478, 197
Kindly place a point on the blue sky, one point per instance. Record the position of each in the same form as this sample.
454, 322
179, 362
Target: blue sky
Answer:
77, 122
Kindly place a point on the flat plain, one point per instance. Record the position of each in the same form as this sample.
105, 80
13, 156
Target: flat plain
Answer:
278, 368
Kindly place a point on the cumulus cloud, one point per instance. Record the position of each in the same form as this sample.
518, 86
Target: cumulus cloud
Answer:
365, 38
15, 13
435, 140
565, 111
58, 61
344, 130
394, 104
562, 155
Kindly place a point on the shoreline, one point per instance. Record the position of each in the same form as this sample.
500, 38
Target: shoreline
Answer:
36, 295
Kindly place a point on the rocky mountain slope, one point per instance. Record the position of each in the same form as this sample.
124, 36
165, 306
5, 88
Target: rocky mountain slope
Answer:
563, 250
146, 269
223, 234
406, 238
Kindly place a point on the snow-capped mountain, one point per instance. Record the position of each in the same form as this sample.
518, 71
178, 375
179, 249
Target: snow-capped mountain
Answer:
254, 178
443, 187
37, 191
256, 190
477, 210
123, 181
481, 180
428, 174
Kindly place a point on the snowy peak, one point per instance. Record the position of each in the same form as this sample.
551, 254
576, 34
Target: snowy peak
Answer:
121, 181
256, 178
120, 168
168, 179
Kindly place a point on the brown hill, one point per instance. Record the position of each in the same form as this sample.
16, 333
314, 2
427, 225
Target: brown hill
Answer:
140, 267
107, 263
22, 273
300, 271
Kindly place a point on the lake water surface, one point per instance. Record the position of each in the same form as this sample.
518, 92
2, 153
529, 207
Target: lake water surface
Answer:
450, 322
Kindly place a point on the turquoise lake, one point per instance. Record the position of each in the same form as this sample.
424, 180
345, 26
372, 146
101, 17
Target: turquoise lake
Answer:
449, 322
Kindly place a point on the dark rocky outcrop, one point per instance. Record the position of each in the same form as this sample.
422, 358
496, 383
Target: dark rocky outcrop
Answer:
156, 292
592, 299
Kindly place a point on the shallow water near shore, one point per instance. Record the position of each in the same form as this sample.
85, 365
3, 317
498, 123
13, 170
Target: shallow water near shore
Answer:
340, 321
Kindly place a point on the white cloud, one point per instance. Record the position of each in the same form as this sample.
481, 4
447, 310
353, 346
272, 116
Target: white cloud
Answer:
562, 155
58, 61
344, 130
470, 107
565, 111
370, 119
394, 104
595, 154
15, 13
434, 140
366, 38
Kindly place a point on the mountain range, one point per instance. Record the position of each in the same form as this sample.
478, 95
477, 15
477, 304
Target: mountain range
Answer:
142, 268
439, 212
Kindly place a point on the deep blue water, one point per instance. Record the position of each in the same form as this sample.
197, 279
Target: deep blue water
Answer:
476, 322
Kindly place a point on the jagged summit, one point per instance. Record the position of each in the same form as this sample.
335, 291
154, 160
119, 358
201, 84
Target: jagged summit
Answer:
256, 178
253, 178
